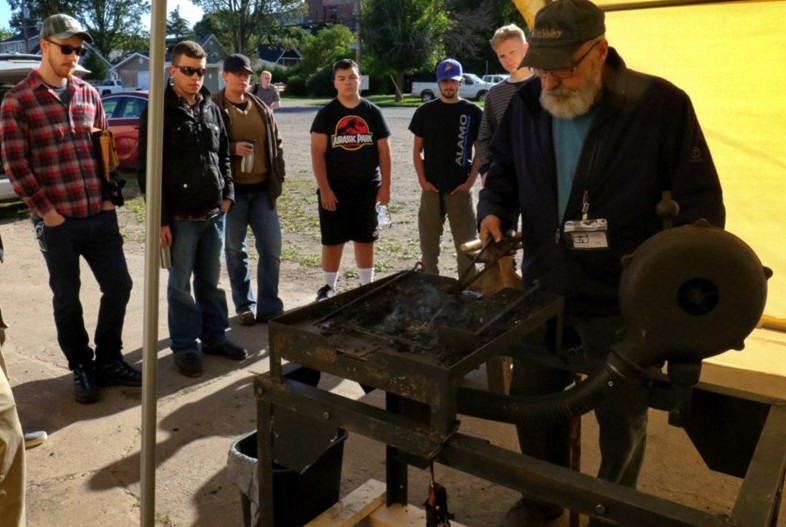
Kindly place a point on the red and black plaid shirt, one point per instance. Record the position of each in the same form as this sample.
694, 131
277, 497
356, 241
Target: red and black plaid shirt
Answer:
47, 147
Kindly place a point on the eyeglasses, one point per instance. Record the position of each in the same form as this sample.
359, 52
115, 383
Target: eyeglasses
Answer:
189, 71
566, 72
65, 49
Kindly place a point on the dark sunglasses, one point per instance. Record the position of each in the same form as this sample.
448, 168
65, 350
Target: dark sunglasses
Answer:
189, 71
65, 49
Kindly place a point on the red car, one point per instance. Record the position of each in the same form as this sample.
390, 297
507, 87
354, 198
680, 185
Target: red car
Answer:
123, 111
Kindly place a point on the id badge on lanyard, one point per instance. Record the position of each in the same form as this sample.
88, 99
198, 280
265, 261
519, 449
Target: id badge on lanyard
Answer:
587, 234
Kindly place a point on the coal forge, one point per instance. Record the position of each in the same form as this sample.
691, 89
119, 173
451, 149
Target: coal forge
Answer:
417, 313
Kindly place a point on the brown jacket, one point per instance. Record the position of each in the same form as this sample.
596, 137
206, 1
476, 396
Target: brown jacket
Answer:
275, 152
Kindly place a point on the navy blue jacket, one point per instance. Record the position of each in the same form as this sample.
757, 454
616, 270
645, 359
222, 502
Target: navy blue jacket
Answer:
645, 138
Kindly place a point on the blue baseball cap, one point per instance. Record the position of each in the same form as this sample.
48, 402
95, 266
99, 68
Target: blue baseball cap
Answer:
449, 69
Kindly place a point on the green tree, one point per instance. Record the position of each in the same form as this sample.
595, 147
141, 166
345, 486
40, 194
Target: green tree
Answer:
178, 27
112, 23
246, 20
403, 35
326, 47
473, 22
98, 68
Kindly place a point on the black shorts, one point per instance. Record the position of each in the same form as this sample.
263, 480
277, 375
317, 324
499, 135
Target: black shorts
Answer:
355, 217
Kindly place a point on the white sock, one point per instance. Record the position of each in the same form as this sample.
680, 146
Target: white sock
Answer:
366, 275
330, 278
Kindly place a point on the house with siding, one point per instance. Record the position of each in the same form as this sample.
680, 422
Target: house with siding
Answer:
274, 55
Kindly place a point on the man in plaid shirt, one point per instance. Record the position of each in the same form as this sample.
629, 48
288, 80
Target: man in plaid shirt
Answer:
46, 123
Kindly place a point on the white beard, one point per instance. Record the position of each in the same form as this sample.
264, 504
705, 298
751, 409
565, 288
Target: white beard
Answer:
571, 103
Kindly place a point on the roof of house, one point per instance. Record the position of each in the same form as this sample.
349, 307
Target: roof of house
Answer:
275, 52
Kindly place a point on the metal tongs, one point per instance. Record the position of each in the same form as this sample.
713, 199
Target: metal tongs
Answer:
488, 254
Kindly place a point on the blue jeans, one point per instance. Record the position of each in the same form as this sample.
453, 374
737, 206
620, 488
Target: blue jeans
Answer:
253, 208
196, 250
96, 239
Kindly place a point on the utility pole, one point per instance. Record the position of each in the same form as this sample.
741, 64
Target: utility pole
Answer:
357, 32
25, 15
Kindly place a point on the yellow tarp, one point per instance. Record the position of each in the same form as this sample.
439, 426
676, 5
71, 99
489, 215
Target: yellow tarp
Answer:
731, 59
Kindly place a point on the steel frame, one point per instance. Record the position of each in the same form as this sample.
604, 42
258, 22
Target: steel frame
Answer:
419, 424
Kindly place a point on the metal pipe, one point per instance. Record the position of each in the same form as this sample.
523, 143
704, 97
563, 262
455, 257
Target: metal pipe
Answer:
554, 408
654, 4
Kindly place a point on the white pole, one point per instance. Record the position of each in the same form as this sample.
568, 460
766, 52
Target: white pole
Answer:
155, 113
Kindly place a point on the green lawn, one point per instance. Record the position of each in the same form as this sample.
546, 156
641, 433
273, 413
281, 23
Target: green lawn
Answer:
379, 100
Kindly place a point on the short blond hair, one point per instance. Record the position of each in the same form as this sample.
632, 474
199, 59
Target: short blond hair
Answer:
506, 33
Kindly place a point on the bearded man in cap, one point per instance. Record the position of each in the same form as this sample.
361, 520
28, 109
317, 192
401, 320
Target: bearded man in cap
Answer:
590, 139
47, 123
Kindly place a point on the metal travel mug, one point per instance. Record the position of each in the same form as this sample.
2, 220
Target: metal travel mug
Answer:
247, 162
166, 257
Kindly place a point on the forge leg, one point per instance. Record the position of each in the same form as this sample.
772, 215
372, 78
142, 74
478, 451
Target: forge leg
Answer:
396, 469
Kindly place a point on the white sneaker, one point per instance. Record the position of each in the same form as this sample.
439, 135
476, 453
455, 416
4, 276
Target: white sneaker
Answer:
34, 438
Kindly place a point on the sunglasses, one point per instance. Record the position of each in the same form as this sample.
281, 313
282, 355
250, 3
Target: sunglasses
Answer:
189, 71
65, 49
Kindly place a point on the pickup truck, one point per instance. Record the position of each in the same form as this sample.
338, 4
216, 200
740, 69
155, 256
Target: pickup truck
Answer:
472, 88
111, 86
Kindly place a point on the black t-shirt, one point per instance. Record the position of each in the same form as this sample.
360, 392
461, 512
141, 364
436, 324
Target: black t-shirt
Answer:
352, 155
448, 132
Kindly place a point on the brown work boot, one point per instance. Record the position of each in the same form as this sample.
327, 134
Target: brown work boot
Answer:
528, 513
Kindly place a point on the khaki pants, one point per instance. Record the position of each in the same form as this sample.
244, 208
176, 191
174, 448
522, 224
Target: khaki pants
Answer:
460, 213
12, 452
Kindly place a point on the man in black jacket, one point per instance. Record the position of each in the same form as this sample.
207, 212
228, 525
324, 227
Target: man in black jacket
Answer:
197, 193
587, 151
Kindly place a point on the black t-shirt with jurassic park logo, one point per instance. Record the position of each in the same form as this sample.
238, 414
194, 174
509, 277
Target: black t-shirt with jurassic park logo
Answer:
352, 156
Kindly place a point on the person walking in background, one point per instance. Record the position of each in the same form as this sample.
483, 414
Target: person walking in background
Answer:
258, 175
47, 123
197, 192
445, 132
267, 93
589, 139
350, 155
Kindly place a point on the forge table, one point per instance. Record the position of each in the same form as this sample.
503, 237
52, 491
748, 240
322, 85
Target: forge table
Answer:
413, 337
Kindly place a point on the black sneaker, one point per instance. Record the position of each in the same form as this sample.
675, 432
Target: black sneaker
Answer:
118, 373
325, 292
85, 387
188, 363
228, 349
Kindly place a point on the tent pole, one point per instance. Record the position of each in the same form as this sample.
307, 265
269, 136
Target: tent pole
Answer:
155, 109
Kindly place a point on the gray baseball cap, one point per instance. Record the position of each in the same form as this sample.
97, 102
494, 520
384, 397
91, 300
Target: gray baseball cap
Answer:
64, 27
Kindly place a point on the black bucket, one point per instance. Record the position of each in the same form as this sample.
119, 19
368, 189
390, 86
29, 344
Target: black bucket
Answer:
298, 498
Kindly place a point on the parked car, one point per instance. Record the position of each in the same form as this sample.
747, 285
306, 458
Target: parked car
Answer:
111, 86
123, 111
473, 87
13, 68
494, 78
